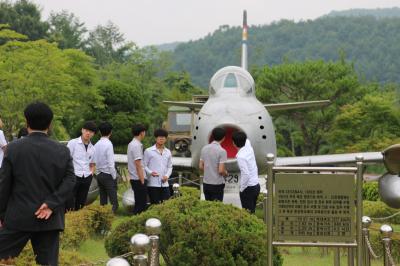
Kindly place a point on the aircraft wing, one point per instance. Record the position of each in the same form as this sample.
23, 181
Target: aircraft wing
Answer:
295, 105
178, 162
189, 104
329, 159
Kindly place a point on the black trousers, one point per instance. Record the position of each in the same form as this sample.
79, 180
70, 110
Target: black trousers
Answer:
140, 191
45, 245
158, 194
108, 190
213, 192
79, 194
248, 198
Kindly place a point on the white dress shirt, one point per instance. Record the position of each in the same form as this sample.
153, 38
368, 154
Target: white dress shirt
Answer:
248, 166
81, 157
104, 157
3, 143
154, 161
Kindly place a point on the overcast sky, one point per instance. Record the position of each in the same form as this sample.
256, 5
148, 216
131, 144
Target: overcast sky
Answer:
162, 21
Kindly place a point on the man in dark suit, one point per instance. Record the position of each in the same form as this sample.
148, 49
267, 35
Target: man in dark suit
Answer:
36, 178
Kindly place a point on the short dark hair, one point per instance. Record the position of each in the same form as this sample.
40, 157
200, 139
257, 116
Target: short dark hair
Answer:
160, 133
38, 116
105, 128
137, 129
90, 125
218, 133
239, 138
22, 132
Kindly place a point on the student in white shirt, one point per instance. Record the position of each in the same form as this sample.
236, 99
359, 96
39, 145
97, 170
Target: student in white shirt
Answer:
82, 153
249, 184
105, 167
3, 143
158, 166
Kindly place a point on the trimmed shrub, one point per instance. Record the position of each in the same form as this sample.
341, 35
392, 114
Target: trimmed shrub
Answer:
76, 230
378, 209
99, 218
370, 191
190, 191
198, 232
89, 221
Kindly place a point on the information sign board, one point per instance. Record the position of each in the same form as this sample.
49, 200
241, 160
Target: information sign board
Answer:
314, 207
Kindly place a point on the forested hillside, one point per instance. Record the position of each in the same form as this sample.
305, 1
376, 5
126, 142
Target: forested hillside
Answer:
371, 43
358, 12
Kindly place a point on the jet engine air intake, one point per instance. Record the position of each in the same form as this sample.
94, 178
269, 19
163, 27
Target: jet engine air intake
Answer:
227, 144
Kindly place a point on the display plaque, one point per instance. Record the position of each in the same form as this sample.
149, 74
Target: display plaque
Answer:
314, 207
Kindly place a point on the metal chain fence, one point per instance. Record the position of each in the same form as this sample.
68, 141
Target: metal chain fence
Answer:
389, 254
371, 251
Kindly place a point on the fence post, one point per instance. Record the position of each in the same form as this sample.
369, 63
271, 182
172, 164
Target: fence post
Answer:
359, 183
336, 256
180, 178
350, 256
153, 229
175, 188
366, 222
140, 243
270, 177
386, 233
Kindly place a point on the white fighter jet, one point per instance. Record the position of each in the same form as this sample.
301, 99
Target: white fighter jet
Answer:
232, 104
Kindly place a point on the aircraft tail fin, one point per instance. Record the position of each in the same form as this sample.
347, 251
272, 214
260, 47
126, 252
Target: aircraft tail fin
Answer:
244, 41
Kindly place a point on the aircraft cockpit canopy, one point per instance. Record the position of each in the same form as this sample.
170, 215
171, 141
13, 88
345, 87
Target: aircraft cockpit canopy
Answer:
232, 79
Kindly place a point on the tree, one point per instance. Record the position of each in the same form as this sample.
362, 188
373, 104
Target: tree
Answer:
24, 17
312, 80
373, 123
66, 29
7, 35
39, 71
107, 44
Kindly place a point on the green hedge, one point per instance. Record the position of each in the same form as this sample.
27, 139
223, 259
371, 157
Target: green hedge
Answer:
89, 221
378, 209
190, 192
370, 191
198, 232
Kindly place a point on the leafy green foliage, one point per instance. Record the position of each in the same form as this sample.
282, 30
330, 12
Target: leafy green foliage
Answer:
107, 44
39, 71
198, 232
66, 30
80, 225
305, 131
378, 209
7, 35
373, 132
370, 191
24, 17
